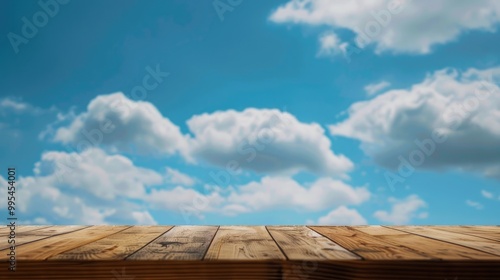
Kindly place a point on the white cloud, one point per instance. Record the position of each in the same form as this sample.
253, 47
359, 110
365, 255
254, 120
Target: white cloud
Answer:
105, 176
261, 140
402, 211
451, 118
18, 106
399, 25
265, 141
143, 218
123, 125
331, 45
342, 216
487, 194
180, 198
174, 176
474, 204
281, 192
86, 188
371, 89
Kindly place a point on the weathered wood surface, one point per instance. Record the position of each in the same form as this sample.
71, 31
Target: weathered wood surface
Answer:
253, 252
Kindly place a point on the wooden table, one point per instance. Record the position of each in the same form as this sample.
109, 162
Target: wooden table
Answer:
253, 252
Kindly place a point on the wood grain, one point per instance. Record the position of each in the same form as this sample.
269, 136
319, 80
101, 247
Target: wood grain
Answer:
367, 246
474, 242
255, 252
488, 232
179, 243
54, 245
426, 246
243, 243
302, 243
5, 230
116, 246
31, 235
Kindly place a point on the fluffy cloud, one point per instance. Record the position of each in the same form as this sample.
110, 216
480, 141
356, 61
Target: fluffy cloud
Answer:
371, 89
402, 211
342, 216
86, 188
396, 25
449, 120
181, 199
104, 176
122, 124
261, 140
281, 192
330, 45
264, 140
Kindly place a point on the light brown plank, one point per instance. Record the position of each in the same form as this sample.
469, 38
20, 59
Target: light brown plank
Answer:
179, 243
38, 234
4, 231
367, 246
426, 246
117, 246
488, 232
302, 243
54, 245
474, 242
243, 243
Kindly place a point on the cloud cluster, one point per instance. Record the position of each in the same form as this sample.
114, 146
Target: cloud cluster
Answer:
264, 140
401, 26
283, 192
93, 187
125, 125
449, 120
254, 139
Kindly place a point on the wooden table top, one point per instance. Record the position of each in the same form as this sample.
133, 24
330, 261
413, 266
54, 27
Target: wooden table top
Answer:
253, 252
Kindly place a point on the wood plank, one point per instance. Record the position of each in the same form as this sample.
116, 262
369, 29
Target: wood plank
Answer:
5, 230
302, 243
474, 242
116, 246
54, 245
367, 246
426, 246
243, 243
488, 232
38, 234
179, 243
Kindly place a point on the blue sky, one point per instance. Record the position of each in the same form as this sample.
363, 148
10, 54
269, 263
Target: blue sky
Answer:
251, 112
